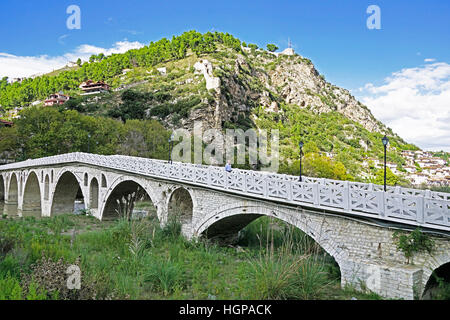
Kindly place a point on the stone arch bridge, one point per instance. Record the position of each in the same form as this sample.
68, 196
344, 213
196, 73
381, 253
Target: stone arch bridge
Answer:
353, 222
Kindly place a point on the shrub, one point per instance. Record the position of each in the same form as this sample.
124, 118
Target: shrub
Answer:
10, 288
274, 272
312, 279
50, 277
414, 242
164, 276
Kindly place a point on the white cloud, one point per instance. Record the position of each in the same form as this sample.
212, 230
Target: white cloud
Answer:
415, 103
429, 60
13, 66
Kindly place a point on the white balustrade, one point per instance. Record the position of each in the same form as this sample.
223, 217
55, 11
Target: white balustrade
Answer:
419, 207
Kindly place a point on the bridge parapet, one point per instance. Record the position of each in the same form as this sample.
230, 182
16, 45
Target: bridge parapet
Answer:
408, 206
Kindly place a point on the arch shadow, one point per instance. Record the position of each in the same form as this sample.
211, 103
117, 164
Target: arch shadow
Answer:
2, 194
180, 206
65, 194
227, 221
439, 277
11, 203
128, 198
32, 205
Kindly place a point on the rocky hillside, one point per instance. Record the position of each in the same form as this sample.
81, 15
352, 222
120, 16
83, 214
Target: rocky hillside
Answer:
241, 81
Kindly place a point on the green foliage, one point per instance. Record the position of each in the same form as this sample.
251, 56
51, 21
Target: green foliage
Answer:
414, 242
106, 68
317, 165
180, 108
164, 266
325, 132
44, 132
289, 271
133, 106
443, 292
165, 276
271, 47
391, 178
10, 288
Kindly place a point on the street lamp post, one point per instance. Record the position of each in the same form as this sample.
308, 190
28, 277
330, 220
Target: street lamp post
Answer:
385, 141
89, 143
170, 148
300, 145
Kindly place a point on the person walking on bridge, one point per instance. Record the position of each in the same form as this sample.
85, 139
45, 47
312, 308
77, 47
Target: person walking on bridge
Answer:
228, 166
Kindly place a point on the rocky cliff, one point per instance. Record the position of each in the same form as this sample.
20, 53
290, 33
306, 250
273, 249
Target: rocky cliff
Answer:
259, 78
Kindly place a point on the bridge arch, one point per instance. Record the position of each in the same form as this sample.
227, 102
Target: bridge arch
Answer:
65, 193
123, 187
32, 205
2, 193
180, 205
440, 266
227, 221
12, 201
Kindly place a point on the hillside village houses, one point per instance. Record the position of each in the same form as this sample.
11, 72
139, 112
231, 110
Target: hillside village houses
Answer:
56, 98
91, 87
4, 123
421, 168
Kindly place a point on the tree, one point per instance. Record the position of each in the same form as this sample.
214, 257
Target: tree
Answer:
79, 62
271, 47
9, 142
391, 178
132, 107
147, 138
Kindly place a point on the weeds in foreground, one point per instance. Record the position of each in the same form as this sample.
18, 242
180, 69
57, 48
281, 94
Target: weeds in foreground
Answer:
164, 276
139, 260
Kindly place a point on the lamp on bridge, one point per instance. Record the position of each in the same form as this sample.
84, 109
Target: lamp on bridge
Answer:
170, 148
385, 141
300, 145
89, 143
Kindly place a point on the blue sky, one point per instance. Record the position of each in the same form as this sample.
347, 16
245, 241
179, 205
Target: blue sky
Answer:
333, 34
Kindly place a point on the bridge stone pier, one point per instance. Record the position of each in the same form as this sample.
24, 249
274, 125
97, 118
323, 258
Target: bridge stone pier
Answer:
352, 222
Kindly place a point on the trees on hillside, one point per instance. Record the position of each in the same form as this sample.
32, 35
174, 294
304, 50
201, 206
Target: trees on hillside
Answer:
41, 132
105, 68
271, 47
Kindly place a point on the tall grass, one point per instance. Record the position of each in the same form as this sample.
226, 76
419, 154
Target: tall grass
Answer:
138, 259
165, 276
286, 267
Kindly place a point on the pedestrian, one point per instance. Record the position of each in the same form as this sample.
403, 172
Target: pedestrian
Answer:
228, 166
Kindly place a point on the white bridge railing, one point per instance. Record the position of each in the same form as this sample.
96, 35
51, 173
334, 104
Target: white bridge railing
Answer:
409, 206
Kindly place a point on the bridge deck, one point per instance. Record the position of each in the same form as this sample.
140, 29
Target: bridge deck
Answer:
409, 206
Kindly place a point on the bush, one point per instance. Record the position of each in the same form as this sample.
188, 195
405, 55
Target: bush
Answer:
164, 276
413, 242
312, 279
10, 289
50, 277
274, 272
